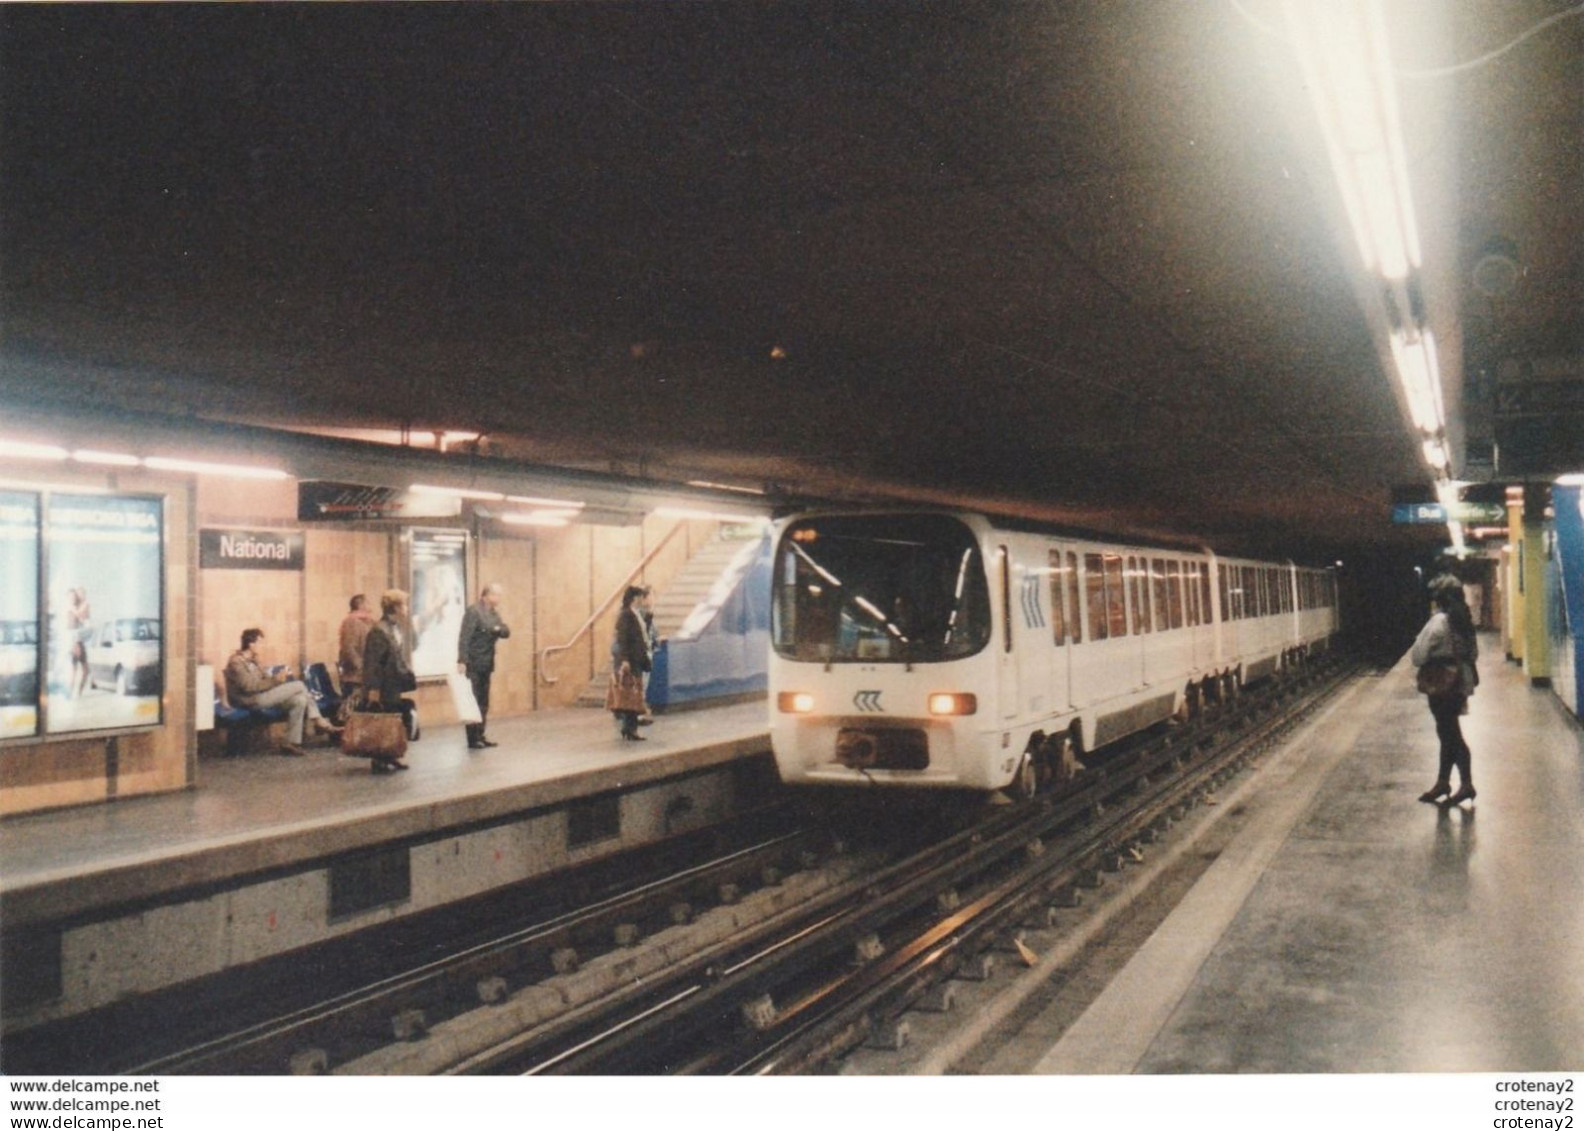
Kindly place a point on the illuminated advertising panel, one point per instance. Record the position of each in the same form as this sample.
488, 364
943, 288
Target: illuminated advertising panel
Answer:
19, 609
105, 627
439, 598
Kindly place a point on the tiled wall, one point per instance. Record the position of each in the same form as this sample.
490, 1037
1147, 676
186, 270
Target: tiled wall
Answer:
554, 578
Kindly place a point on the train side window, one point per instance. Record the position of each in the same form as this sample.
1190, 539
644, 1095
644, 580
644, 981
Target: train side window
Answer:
1006, 598
1094, 594
1221, 583
1057, 599
1204, 590
1191, 585
1072, 597
1141, 593
1158, 573
1174, 592
1116, 595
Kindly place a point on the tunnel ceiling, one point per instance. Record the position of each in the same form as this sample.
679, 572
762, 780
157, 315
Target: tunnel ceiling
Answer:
1079, 261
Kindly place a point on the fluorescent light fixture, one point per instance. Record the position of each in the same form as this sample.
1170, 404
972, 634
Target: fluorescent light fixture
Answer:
554, 504
108, 459
458, 492
724, 487
1572, 479
535, 518
1419, 372
1346, 63
18, 449
203, 467
715, 516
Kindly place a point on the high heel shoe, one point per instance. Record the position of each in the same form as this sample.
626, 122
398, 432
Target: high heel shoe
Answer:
1436, 792
1466, 793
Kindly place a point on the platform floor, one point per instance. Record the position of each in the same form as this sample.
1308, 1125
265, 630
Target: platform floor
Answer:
1349, 927
261, 811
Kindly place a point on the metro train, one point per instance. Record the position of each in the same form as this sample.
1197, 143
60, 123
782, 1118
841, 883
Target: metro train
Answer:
952, 650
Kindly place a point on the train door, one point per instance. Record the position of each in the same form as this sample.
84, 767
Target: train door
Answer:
1062, 568
1007, 689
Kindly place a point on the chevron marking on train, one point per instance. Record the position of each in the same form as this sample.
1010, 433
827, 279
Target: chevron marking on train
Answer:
868, 701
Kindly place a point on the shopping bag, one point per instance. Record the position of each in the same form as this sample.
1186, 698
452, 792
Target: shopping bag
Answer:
374, 734
467, 707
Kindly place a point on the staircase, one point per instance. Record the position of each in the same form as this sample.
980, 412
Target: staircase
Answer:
671, 607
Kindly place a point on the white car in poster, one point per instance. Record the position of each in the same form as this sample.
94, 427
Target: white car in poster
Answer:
125, 654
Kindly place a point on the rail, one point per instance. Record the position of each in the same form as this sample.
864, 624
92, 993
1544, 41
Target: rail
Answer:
604, 607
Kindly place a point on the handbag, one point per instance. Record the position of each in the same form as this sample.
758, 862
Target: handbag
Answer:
1437, 678
374, 734
626, 694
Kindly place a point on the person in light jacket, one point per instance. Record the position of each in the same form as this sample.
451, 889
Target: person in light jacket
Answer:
1447, 640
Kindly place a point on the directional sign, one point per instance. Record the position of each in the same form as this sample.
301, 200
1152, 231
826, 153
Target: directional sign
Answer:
868, 701
1466, 513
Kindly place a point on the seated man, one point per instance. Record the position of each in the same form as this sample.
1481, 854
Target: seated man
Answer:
249, 685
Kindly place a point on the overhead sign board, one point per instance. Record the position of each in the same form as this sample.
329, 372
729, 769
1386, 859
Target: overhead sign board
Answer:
322, 501
1466, 513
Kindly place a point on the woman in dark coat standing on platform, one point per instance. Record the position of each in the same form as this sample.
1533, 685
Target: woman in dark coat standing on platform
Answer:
630, 657
1445, 653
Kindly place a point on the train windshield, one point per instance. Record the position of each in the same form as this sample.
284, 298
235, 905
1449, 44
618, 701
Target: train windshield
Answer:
875, 589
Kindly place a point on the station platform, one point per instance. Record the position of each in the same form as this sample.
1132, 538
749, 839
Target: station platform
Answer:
262, 811
1345, 926
269, 854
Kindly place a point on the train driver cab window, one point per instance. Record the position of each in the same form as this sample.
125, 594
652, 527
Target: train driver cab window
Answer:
1224, 585
1174, 592
879, 589
1006, 596
1058, 598
1204, 590
1191, 592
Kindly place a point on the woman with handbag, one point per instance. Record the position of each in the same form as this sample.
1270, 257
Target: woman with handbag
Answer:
629, 659
1444, 654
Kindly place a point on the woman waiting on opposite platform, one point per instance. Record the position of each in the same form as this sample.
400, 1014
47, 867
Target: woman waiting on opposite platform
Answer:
1447, 647
630, 658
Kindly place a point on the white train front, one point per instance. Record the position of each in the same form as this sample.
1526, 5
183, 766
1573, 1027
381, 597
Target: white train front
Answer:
944, 650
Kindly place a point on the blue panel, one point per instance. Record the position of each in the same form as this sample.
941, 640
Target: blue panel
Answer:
724, 647
1565, 593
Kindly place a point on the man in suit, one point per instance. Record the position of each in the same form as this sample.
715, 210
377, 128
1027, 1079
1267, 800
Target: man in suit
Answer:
481, 628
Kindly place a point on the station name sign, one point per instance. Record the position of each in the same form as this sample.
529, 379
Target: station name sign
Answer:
250, 549
1483, 514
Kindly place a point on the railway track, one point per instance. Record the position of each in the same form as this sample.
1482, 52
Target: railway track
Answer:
779, 955
841, 969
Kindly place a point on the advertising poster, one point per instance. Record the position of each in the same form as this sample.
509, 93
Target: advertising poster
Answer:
104, 641
439, 599
19, 614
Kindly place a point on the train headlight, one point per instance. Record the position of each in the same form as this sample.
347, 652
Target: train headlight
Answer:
795, 702
953, 703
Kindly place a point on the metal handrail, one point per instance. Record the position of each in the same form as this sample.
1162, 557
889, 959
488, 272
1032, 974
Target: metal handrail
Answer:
588, 625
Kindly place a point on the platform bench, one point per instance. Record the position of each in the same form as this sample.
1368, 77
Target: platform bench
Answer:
239, 722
